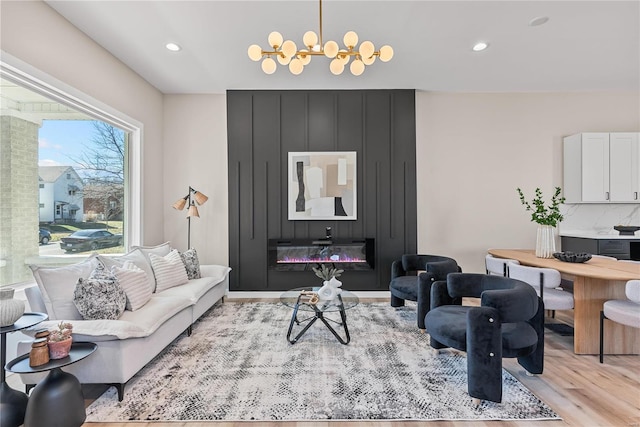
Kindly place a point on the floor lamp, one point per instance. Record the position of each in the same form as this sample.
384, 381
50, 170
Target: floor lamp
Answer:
191, 198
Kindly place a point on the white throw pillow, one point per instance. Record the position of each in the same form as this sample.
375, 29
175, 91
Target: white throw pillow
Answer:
169, 270
138, 258
57, 285
162, 249
135, 283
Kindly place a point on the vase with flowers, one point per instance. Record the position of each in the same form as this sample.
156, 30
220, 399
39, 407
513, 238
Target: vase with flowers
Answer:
331, 285
60, 340
547, 217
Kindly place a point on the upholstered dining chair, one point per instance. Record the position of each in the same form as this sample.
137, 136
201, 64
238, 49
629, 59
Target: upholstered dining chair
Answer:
412, 277
546, 282
626, 312
497, 266
508, 323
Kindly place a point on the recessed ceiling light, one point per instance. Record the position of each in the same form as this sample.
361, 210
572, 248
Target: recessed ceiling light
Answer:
173, 47
538, 21
480, 46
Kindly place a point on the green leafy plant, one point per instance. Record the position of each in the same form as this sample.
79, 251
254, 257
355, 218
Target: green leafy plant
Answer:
541, 214
326, 273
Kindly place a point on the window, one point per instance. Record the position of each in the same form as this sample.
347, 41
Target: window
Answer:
41, 93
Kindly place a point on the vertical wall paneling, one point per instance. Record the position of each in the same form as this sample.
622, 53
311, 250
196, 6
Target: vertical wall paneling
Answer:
264, 126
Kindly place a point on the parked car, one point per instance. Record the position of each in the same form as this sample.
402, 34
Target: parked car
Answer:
90, 240
44, 236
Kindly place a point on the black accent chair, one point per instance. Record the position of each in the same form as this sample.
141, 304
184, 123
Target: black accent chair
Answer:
407, 285
508, 323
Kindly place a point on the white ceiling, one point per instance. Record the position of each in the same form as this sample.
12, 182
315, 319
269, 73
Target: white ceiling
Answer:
585, 45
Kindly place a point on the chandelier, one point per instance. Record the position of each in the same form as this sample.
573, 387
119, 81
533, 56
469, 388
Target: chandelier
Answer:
287, 52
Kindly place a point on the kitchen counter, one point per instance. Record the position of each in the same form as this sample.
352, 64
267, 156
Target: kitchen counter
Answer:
595, 235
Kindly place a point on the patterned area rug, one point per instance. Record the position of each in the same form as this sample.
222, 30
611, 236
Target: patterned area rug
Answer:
237, 365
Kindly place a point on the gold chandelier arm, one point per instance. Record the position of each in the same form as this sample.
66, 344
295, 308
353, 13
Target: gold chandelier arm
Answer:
321, 44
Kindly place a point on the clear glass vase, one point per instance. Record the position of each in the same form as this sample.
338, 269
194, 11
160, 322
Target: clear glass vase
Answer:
545, 241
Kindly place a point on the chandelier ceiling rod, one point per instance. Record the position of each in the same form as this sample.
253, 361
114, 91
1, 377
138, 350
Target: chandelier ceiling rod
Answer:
287, 53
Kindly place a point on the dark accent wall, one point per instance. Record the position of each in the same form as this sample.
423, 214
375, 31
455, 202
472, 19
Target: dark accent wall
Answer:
263, 126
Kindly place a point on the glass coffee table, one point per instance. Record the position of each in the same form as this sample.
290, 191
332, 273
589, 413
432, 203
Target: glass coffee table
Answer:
299, 300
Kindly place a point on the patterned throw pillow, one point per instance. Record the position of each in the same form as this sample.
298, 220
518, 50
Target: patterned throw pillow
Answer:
169, 270
135, 283
99, 296
191, 263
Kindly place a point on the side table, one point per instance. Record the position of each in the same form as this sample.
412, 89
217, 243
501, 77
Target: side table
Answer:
57, 400
13, 403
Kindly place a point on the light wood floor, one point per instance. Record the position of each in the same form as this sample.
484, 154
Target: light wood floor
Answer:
581, 390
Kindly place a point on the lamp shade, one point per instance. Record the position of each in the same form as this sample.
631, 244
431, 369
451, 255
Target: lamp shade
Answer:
350, 39
275, 39
181, 203
255, 52
386, 53
269, 66
193, 211
310, 39
200, 198
331, 49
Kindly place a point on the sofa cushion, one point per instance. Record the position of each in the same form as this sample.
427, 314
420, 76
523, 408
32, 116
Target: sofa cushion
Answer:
136, 257
99, 296
132, 324
193, 290
191, 263
135, 283
57, 284
169, 270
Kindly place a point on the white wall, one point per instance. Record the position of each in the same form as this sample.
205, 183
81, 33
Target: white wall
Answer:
195, 135
473, 150
34, 33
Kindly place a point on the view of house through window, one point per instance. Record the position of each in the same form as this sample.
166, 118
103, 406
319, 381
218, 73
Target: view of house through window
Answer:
62, 176
81, 172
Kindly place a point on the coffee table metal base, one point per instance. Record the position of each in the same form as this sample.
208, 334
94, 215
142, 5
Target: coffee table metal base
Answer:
318, 314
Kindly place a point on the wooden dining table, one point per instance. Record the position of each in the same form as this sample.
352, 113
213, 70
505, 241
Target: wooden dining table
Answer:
594, 282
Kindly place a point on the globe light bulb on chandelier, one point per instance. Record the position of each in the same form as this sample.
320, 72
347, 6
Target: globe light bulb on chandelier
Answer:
286, 52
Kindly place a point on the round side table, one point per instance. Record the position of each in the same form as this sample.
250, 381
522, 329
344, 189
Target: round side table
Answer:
57, 400
13, 403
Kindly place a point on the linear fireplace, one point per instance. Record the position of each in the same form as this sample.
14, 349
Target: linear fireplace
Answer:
304, 254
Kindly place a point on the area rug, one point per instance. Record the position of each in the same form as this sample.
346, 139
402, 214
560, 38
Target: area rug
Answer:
237, 365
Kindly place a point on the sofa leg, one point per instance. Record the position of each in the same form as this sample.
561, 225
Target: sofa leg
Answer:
189, 330
120, 389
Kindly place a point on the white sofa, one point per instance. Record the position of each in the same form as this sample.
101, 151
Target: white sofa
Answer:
127, 344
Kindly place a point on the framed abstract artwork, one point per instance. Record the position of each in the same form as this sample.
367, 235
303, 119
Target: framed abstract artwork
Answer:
322, 185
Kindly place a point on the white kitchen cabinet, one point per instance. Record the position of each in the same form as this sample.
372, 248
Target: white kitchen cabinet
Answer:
602, 167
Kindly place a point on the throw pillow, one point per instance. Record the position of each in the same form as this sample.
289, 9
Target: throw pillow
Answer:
169, 270
135, 283
191, 263
162, 249
135, 256
56, 285
99, 296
